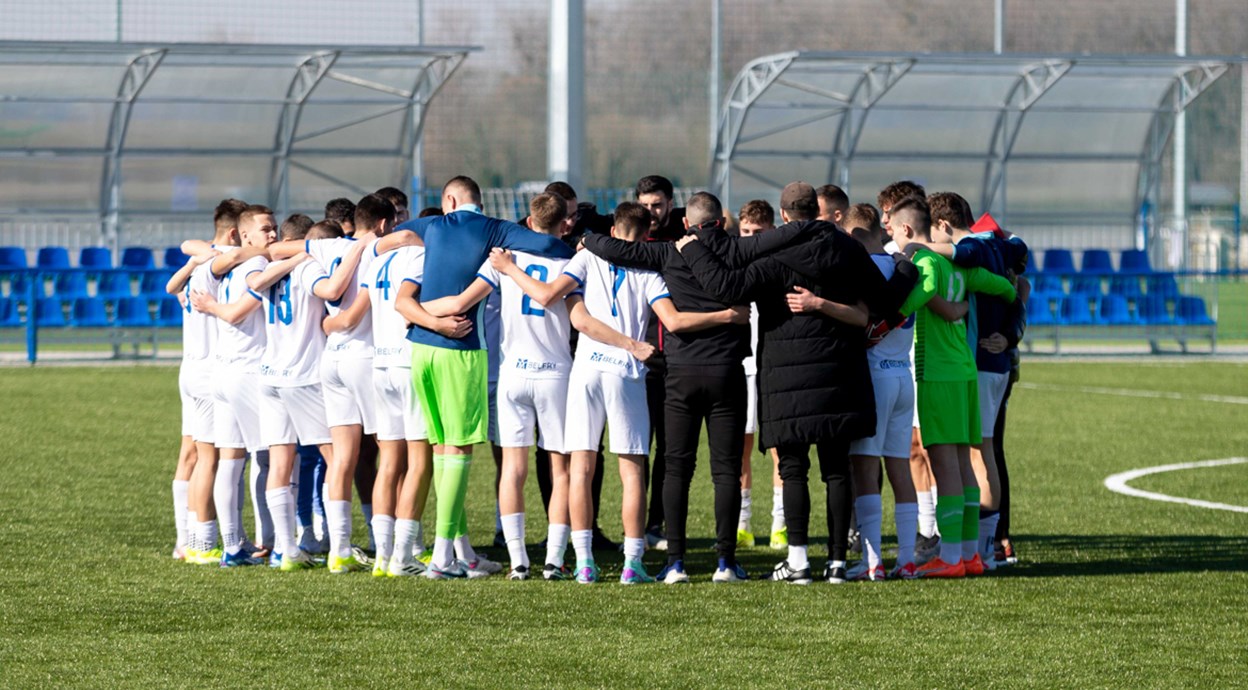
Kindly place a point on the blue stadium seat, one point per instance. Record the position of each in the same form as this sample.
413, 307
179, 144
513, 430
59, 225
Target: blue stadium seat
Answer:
12, 257
1127, 286
1039, 310
1097, 262
1152, 310
170, 312
1047, 284
1134, 261
114, 285
152, 285
52, 257
1076, 310
89, 312
95, 257
1085, 285
19, 285
1058, 261
50, 312
70, 285
1190, 310
174, 258
134, 312
1163, 284
1114, 311
10, 317
137, 258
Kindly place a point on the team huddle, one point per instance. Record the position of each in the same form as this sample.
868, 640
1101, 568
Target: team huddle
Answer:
372, 351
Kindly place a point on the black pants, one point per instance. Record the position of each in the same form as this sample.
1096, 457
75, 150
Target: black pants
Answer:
545, 484
998, 447
717, 395
656, 393
834, 470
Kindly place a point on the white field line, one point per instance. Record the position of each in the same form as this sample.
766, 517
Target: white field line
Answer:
1136, 393
1118, 483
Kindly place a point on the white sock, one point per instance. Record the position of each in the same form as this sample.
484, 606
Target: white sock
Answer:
583, 545
987, 535
338, 518
180, 489
242, 495
259, 499
205, 535
797, 557
906, 516
225, 494
557, 543
418, 540
870, 510
837, 564
464, 550
320, 520
513, 532
777, 509
634, 548
367, 509
279, 501
927, 512
443, 553
383, 530
404, 540
747, 512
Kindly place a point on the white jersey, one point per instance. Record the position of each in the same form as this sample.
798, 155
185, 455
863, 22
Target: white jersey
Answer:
891, 356
536, 340
390, 345
750, 364
241, 344
199, 330
294, 339
358, 341
620, 298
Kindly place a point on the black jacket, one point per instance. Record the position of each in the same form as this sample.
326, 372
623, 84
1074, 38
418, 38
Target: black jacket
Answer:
813, 380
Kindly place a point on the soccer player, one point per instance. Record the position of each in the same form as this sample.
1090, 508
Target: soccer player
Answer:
532, 387
833, 204
947, 389
240, 345
342, 211
399, 200
292, 407
449, 374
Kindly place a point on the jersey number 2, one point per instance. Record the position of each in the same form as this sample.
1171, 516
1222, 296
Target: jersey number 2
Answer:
537, 272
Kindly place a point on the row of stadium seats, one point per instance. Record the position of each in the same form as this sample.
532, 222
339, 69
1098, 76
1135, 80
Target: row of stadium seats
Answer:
92, 312
110, 284
137, 258
1128, 286
1096, 262
1115, 310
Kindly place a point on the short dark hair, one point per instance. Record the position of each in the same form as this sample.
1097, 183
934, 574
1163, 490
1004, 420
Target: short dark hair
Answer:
897, 191
325, 230
466, 185
561, 189
295, 227
833, 196
799, 201
547, 210
254, 210
632, 218
340, 209
703, 207
429, 211
920, 215
863, 218
394, 195
371, 210
226, 214
758, 211
951, 208
655, 184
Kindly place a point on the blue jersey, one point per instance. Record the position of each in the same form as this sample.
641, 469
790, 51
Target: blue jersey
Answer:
455, 247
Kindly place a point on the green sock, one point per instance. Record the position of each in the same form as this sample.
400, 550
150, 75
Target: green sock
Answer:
949, 511
970, 521
451, 482
461, 500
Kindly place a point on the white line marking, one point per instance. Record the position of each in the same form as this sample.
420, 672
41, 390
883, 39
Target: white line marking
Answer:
1118, 483
1135, 393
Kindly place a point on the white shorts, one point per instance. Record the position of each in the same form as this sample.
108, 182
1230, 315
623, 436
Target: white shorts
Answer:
236, 412
526, 404
492, 426
596, 398
991, 392
347, 385
894, 419
293, 414
399, 417
195, 388
751, 403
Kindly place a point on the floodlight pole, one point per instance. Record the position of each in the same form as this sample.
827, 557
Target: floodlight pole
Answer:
418, 183
717, 8
998, 27
1180, 134
565, 123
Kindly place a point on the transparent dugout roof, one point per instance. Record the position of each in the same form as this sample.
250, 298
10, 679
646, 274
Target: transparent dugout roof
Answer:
1086, 132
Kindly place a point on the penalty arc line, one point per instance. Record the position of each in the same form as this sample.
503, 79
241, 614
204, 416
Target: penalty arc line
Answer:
1118, 484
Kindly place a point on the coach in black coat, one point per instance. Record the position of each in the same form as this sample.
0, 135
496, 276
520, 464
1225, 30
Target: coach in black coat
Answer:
813, 379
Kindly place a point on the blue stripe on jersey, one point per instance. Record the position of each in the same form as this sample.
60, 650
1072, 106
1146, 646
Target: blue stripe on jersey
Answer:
578, 280
492, 284
659, 297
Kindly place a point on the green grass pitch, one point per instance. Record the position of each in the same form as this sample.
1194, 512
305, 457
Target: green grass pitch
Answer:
1111, 591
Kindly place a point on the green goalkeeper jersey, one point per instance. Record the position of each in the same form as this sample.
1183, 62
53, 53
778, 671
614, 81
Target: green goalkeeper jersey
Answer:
941, 352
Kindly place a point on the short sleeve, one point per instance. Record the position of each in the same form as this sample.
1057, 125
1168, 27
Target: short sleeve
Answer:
656, 288
307, 274
489, 275
578, 267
